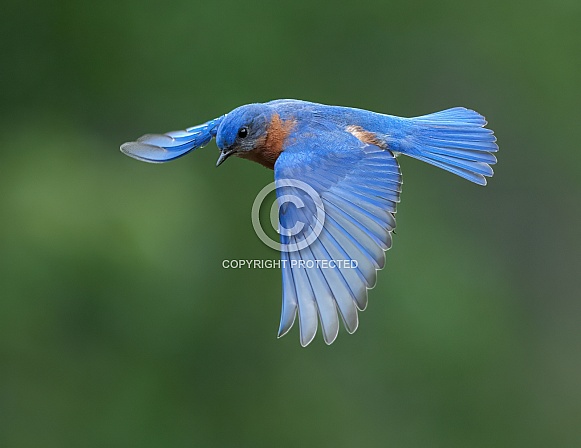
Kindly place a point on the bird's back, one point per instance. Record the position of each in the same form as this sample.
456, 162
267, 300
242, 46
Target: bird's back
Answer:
386, 127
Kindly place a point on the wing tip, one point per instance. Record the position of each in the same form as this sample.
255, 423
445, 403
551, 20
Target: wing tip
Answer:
133, 150
352, 328
306, 339
333, 336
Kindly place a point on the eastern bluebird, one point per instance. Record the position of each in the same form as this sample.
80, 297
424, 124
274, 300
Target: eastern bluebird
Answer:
346, 157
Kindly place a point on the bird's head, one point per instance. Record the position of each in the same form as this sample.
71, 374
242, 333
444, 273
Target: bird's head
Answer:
242, 130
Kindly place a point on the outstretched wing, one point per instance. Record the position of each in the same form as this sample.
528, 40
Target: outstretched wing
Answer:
337, 198
159, 148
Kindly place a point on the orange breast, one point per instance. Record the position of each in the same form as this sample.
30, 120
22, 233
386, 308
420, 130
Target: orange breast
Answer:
271, 145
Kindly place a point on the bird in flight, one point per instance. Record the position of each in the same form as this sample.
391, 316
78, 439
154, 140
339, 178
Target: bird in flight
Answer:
338, 183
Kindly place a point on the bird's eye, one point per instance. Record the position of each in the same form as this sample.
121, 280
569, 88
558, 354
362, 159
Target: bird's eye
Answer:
242, 132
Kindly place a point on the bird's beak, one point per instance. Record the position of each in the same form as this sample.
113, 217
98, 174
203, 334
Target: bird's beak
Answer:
224, 155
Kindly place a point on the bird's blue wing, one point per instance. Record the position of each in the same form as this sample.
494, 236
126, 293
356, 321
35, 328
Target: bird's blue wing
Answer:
159, 148
344, 192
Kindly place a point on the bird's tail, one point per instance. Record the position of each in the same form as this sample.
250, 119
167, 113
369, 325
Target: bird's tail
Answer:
455, 140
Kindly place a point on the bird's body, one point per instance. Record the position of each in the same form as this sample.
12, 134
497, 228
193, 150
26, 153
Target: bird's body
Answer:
345, 157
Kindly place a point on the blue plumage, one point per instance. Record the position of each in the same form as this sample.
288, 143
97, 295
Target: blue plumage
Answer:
456, 141
338, 186
159, 148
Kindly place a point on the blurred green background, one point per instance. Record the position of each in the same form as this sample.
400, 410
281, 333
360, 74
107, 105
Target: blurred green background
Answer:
118, 325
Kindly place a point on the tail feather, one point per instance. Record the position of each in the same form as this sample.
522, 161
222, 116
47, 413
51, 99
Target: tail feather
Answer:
465, 154
456, 141
454, 169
